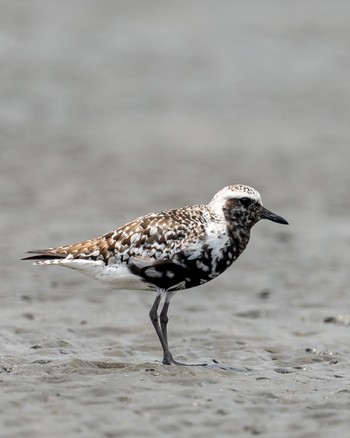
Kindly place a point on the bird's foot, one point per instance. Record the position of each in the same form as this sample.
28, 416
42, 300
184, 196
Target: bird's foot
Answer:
169, 360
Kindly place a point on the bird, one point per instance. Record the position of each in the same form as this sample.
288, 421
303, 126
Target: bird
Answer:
167, 251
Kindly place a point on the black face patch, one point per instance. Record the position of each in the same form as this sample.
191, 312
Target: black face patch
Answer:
246, 202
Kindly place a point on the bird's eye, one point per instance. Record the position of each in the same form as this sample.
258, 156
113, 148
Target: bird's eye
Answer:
245, 202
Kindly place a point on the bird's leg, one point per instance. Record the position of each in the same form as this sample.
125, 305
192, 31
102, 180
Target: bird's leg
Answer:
164, 320
164, 314
167, 357
162, 329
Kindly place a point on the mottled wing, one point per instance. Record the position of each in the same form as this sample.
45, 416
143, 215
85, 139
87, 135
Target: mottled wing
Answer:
155, 236
158, 235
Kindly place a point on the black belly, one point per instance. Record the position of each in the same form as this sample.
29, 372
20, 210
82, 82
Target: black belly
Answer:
182, 272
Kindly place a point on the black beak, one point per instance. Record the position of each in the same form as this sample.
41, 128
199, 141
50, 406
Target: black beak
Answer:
267, 214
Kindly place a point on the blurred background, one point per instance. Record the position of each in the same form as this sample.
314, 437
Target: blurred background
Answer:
149, 105
113, 109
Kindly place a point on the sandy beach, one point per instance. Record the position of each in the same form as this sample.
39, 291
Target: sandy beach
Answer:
110, 110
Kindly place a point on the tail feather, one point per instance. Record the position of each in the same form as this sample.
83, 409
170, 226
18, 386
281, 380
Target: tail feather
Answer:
94, 249
45, 254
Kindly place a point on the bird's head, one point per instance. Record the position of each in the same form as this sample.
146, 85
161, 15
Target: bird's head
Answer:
242, 205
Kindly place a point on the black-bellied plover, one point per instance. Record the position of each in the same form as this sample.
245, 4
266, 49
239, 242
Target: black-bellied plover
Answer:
168, 251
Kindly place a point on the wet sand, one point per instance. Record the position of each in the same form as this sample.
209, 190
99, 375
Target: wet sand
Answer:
113, 110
